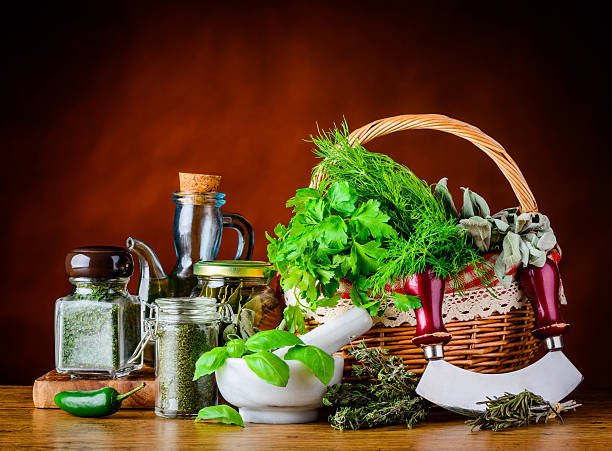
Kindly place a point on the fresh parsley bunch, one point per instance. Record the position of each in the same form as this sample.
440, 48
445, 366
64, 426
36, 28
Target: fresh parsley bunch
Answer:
333, 235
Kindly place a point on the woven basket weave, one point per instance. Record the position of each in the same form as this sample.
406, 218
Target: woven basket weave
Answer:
495, 344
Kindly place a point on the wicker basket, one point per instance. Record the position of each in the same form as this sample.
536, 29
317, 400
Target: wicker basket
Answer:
495, 344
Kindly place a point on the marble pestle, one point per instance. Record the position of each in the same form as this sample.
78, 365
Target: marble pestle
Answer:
338, 332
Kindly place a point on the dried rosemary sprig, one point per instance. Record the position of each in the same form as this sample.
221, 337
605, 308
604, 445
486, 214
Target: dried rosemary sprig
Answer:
512, 410
385, 396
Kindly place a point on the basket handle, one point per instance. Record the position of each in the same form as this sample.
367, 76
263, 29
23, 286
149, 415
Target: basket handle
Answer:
484, 142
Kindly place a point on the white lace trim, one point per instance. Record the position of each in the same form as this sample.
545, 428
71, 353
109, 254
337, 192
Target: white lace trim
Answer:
473, 303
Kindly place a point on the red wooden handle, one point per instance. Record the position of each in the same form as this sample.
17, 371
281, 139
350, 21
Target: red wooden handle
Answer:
430, 290
541, 285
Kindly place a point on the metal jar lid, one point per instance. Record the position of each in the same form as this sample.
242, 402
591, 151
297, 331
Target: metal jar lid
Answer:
98, 262
188, 309
231, 268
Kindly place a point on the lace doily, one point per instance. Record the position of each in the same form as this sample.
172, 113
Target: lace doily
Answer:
476, 302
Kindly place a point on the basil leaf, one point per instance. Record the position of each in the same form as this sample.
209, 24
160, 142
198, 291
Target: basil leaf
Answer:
224, 414
405, 302
316, 360
269, 367
235, 348
271, 339
210, 361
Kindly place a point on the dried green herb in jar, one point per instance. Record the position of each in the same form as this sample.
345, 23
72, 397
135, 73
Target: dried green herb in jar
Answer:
186, 329
98, 325
179, 347
97, 332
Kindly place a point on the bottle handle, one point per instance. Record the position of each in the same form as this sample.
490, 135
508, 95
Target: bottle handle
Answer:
245, 234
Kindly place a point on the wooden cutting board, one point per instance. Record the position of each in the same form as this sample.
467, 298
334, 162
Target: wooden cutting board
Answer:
47, 386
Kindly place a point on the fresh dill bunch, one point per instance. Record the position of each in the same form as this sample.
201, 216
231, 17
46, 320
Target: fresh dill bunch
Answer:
384, 393
518, 410
427, 236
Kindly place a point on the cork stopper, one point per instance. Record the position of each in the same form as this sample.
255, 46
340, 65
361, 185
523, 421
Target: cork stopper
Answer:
199, 183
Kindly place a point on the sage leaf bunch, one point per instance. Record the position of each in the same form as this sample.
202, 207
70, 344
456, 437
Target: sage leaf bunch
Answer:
523, 238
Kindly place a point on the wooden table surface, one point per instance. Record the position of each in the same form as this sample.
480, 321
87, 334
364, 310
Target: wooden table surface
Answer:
590, 427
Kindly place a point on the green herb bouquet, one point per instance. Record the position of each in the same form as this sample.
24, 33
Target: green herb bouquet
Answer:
372, 222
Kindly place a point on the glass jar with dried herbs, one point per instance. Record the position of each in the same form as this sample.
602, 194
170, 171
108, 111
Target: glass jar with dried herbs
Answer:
98, 326
244, 285
184, 329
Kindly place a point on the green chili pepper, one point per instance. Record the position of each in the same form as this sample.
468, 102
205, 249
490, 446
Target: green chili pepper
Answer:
92, 403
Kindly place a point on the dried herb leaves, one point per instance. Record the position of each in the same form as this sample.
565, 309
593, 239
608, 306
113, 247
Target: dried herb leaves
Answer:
383, 395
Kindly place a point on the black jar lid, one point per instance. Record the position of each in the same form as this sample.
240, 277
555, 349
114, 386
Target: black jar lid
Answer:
99, 262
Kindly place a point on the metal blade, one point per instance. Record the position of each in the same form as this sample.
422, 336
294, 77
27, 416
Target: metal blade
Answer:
553, 377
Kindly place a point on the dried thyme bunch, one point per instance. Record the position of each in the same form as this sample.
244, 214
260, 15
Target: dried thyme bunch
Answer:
518, 410
385, 394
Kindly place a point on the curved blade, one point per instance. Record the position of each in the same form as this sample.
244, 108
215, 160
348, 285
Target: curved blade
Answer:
553, 377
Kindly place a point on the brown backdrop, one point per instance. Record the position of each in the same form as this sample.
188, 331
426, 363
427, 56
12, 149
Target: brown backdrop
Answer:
104, 105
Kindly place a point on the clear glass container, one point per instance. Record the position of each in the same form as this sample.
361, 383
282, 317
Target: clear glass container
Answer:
198, 228
98, 326
244, 286
184, 329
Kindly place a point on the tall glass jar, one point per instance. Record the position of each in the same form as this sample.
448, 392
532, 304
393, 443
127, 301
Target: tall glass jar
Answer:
98, 326
185, 329
244, 286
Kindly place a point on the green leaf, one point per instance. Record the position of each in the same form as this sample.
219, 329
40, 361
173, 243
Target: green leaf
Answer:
210, 361
346, 263
342, 198
269, 367
359, 297
224, 414
302, 195
367, 256
474, 205
330, 289
316, 360
331, 301
315, 209
512, 252
294, 319
333, 230
235, 348
404, 302
271, 339
368, 220
443, 195
547, 241
280, 231
480, 231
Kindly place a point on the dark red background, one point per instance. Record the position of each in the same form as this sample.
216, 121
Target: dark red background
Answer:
103, 105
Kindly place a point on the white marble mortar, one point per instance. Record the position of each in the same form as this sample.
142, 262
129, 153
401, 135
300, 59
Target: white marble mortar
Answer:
260, 402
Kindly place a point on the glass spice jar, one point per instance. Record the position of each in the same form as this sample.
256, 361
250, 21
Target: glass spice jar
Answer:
98, 326
244, 285
184, 329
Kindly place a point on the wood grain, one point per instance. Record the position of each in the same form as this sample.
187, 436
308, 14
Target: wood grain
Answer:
23, 425
47, 386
